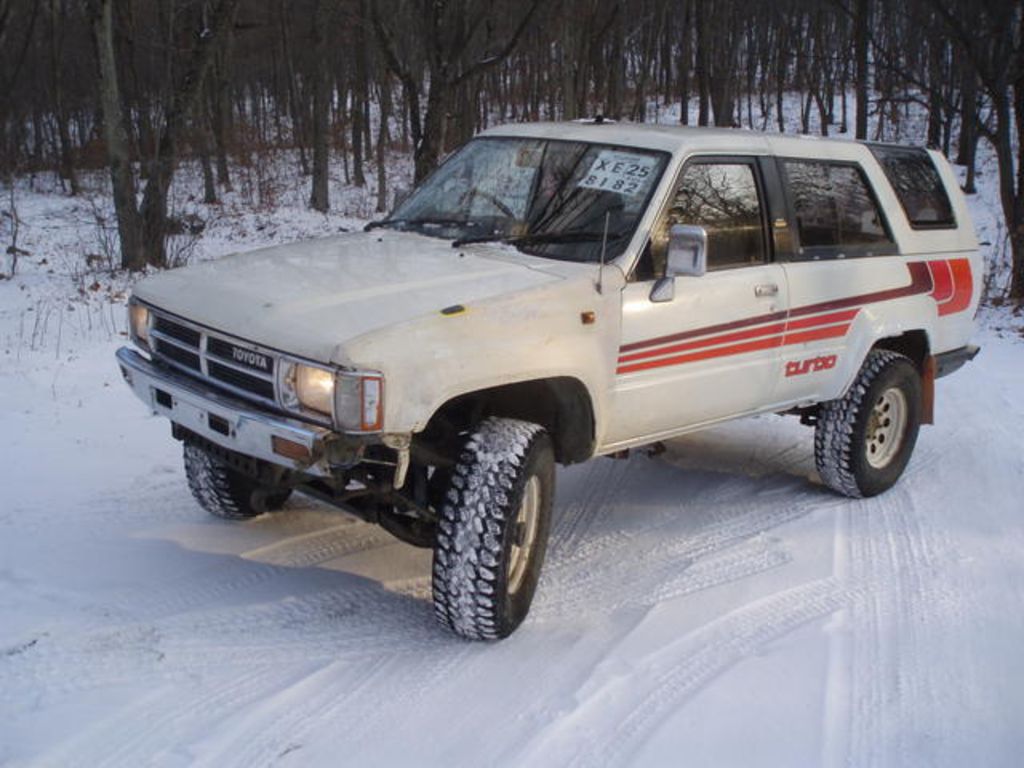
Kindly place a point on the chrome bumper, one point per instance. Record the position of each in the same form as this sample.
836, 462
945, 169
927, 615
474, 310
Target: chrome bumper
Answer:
225, 420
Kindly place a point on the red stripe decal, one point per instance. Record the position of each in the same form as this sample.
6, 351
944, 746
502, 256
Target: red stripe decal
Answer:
831, 332
814, 326
920, 282
943, 280
745, 323
707, 354
768, 330
834, 317
963, 288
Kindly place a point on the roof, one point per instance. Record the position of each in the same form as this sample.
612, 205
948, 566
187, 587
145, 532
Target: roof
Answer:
678, 138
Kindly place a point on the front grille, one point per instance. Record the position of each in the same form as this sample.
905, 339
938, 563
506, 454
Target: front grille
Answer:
232, 365
182, 333
236, 378
179, 355
236, 355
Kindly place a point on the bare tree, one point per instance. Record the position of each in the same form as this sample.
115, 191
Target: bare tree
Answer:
991, 33
449, 32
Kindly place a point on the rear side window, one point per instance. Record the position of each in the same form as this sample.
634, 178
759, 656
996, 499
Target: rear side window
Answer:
917, 185
835, 209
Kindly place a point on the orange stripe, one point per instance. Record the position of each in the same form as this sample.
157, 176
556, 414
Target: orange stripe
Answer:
963, 288
815, 334
832, 332
735, 349
811, 322
768, 330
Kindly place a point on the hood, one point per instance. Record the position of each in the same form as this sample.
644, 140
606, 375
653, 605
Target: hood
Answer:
310, 297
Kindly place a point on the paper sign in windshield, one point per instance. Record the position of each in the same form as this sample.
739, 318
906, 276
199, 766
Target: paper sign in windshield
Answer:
621, 172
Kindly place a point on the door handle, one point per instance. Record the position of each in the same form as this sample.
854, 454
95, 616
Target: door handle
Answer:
766, 289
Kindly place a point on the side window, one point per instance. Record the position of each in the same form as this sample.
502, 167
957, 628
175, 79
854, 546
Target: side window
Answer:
834, 206
723, 198
917, 185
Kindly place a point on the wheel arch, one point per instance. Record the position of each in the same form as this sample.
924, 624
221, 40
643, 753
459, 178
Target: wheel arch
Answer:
916, 345
913, 344
561, 404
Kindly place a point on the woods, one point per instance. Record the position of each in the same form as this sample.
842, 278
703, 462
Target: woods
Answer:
134, 86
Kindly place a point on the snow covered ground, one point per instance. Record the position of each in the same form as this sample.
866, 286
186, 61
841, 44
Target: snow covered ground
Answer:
712, 606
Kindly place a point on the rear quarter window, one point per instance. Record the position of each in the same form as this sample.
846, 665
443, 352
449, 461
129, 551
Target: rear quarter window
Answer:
918, 186
836, 211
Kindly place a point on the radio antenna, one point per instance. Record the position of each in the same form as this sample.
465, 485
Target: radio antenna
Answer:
604, 247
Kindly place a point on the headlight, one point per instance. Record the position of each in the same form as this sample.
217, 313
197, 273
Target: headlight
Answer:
359, 405
315, 387
356, 399
138, 324
306, 386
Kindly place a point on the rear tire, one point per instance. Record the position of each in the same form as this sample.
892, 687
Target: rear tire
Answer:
863, 440
493, 529
225, 492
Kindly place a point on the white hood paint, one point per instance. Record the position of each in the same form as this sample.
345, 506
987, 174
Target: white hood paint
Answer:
309, 298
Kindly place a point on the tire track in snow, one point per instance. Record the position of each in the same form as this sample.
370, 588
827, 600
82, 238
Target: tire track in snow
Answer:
132, 642
366, 711
278, 724
636, 565
351, 619
601, 481
900, 699
113, 656
615, 720
161, 720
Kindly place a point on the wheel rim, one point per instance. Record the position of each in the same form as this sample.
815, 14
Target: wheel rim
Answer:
524, 532
886, 426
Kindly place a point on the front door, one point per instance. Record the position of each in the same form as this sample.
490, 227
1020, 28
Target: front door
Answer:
712, 351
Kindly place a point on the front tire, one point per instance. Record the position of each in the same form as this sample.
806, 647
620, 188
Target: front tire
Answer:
863, 440
493, 529
225, 492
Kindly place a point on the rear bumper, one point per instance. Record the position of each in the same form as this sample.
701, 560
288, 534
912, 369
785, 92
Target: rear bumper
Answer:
949, 362
230, 422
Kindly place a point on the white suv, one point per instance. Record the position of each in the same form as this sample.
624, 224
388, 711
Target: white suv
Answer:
554, 293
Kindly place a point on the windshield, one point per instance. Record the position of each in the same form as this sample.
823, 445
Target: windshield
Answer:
548, 198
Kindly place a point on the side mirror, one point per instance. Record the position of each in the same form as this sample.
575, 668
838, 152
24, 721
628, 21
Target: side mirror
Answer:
687, 251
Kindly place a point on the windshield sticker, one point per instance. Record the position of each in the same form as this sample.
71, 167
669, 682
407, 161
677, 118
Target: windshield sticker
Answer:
622, 172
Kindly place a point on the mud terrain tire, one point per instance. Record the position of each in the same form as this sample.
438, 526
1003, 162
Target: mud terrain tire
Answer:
225, 492
493, 529
863, 440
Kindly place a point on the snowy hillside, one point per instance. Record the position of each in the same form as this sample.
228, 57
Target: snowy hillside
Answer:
711, 606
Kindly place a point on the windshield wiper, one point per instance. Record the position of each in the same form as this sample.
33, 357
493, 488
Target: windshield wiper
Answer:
426, 220
538, 238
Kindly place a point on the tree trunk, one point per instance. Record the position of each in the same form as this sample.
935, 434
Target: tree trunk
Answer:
703, 64
382, 140
320, 197
67, 165
861, 31
967, 150
428, 148
129, 223
299, 134
360, 99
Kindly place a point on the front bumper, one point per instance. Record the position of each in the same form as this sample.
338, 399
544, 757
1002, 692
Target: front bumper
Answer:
233, 423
